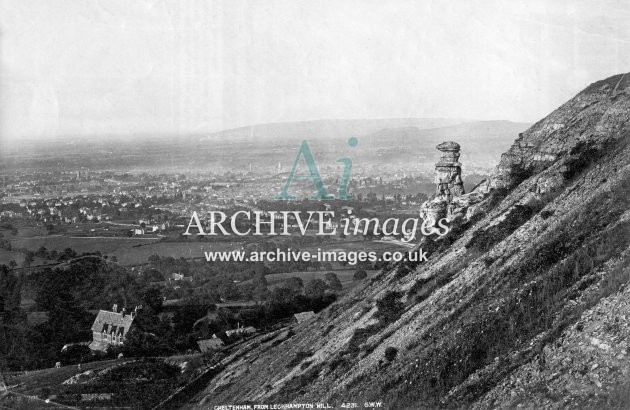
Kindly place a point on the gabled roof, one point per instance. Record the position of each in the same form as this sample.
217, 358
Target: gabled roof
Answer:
210, 344
112, 322
303, 316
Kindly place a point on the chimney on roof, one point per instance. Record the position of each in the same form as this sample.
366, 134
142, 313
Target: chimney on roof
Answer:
124, 312
115, 308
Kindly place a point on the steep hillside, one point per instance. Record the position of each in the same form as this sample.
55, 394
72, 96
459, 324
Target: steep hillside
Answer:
518, 304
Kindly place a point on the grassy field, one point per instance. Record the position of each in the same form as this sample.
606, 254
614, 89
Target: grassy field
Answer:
140, 254
136, 250
52, 377
7, 256
139, 383
18, 257
80, 245
129, 251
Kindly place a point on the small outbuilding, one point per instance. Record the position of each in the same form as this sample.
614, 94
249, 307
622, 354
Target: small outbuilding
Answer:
209, 345
303, 316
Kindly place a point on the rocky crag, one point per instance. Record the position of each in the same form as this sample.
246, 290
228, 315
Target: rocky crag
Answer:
448, 180
524, 303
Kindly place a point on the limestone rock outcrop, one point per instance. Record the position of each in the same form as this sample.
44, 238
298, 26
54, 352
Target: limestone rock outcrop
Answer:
448, 171
450, 199
593, 115
448, 181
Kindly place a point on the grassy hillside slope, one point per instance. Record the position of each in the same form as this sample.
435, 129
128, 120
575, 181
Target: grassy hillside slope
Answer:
545, 247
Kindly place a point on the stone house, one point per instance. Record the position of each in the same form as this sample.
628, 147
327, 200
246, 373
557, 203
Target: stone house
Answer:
110, 328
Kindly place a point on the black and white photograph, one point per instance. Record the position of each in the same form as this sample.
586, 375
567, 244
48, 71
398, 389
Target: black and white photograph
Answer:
322, 204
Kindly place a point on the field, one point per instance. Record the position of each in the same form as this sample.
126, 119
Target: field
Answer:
140, 254
132, 383
7, 256
136, 250
129, 251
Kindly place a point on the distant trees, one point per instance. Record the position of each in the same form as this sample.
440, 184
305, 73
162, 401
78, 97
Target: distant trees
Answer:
28, 259
315, 288
333, 282
260, 280
9, 291
152, 299
295, 284
360, 274
390, 353
389, 307
5, 244
42, 252
281, 296
260, 286
9, 227
150, 275
228, 290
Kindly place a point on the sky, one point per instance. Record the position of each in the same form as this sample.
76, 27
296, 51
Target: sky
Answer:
92, 69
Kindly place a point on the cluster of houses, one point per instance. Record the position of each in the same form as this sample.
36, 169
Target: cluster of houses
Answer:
9, 214
110, 328
93, 208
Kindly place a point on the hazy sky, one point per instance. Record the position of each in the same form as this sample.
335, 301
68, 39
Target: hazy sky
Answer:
97, 68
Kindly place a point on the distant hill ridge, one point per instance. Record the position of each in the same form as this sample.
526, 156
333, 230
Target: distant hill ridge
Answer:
324, 129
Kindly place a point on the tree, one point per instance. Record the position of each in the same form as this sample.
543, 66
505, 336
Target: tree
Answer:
12, 264
333, 281
281, 295
260, 280
152, 275
28, 259
42, 252
228, 290
260, 286
9, 290
260, 292
389, 307
360, 274
295, 284
152, 299
315, 288
390, 353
